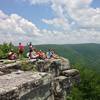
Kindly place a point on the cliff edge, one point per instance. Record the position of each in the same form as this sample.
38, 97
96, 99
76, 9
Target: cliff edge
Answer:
51, 80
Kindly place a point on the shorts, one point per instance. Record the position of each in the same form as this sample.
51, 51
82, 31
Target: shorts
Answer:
21, 52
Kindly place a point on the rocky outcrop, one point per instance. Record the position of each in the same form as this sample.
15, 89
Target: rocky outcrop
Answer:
25, 86
52, 80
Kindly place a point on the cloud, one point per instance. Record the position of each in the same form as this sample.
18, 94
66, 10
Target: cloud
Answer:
15, 28
58, 23
82, 36
75, 22
33, 2
78, 12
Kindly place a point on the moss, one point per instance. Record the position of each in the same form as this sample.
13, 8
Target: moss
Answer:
9, 62
26, 66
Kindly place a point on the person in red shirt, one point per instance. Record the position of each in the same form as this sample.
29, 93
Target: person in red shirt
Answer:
41, 54
20, 49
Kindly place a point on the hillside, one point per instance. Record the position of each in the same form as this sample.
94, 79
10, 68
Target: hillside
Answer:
85, 58
86, 55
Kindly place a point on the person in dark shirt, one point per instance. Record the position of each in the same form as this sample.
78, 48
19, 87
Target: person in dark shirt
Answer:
30, 47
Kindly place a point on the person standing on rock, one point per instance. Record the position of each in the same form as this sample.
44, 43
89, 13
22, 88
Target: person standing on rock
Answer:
30, 47
20, 50
33, 54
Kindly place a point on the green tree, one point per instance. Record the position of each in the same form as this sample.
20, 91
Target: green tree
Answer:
89, 88
5, 48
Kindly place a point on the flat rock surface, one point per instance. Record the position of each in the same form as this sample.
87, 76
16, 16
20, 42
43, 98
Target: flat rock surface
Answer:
14, 80
70, 72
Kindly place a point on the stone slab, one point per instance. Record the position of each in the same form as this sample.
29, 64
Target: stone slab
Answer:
17, 84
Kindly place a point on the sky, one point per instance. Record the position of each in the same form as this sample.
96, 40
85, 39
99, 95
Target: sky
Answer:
50, 21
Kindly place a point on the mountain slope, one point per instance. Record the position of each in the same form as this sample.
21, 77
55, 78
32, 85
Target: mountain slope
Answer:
87, 55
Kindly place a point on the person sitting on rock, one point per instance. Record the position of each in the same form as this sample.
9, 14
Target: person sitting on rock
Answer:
49, 54
12, 55
54, 55
41, 54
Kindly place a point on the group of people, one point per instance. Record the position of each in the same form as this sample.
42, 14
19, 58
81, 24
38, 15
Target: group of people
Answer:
33, 53
12, 55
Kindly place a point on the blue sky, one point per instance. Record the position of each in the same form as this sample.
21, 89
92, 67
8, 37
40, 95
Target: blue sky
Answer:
50, 17
32, 13
96, 3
